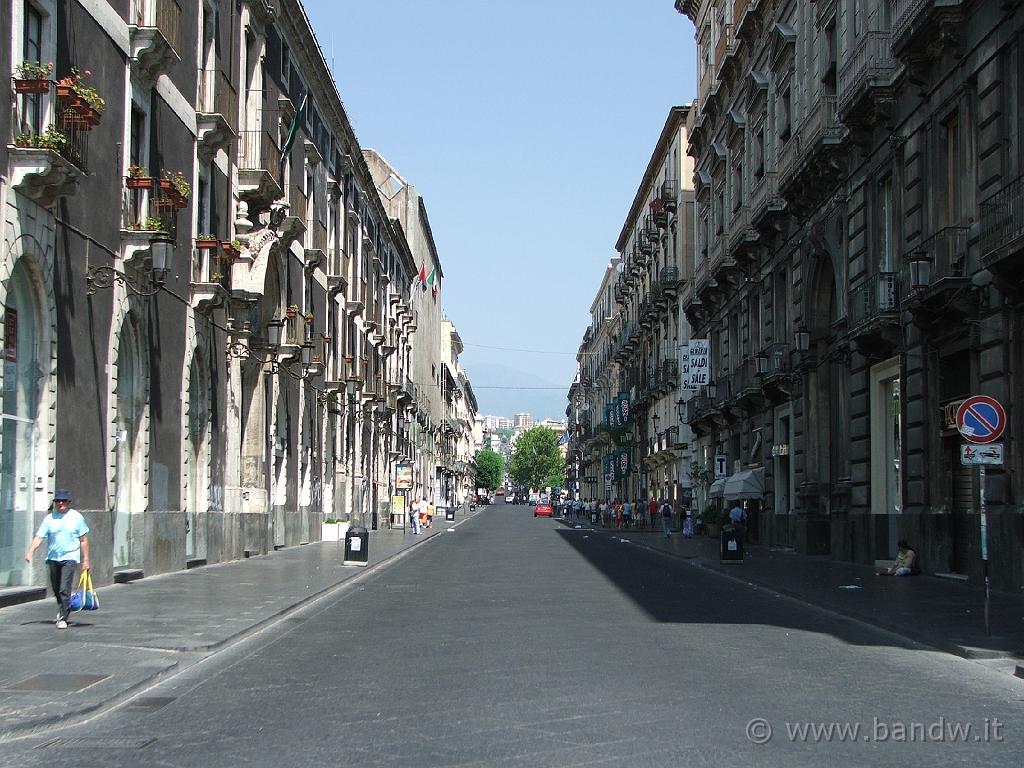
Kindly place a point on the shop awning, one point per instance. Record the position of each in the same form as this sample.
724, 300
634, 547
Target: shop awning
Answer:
717, 488
746, 484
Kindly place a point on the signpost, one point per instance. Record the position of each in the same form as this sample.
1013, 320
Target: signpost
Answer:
721, 465
982, 420
698, 365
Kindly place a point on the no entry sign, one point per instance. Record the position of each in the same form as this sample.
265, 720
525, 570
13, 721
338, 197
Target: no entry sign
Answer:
981, 419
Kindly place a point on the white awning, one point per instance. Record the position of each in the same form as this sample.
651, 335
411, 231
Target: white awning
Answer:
717, 488
746, 484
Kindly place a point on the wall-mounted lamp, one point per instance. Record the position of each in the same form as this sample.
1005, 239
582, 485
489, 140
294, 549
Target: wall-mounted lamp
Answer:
161, 252
681, 409
802, 339
920, 264
761, 363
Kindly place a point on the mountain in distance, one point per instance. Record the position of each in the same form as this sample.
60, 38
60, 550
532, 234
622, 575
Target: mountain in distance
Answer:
510, 400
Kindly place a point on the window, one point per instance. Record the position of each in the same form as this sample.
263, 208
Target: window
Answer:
285, 71
830, 42
886, 226
737, 185
783, 116
32, 50
757, 152
951, 171
719, 211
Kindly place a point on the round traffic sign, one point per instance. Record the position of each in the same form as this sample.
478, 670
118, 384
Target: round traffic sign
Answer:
981, 419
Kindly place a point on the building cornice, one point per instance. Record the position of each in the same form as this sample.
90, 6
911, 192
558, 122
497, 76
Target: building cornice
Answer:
676, 118
688, 8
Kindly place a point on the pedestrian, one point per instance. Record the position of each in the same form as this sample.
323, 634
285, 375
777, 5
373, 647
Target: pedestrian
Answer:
666, 519
688, 526
627, 513
738, 520
652, 508
417, 511
66, 534
430, 514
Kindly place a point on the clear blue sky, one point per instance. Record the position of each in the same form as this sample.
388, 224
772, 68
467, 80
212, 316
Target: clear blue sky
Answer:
526, 127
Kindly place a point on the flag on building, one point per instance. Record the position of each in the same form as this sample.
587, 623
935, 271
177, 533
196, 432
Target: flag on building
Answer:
293, 130
432, 282
423, 275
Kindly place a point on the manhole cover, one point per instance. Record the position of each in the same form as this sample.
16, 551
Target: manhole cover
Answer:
55, 683
150, 703
101, 742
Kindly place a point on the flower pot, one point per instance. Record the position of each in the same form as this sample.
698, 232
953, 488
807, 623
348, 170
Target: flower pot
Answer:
333, 531
308, 320
291, 313
166, 185
31, 86
64, 91
206, 245
138, 182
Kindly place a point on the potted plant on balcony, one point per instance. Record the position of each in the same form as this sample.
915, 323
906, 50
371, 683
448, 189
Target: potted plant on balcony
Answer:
216, 277
326, 338
84, 105
292, 311
33, 77
137, 178
206, 241
53, 138
308, 318
149, 224
176, 187
231, 248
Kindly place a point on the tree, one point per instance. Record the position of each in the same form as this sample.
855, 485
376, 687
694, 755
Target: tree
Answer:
490, 469
537, 462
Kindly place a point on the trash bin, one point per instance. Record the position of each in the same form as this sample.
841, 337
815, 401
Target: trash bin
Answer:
732, 545
593, 518
357, 547
449, 514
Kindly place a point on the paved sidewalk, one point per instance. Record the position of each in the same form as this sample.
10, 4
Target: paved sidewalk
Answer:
161, 624
936, 612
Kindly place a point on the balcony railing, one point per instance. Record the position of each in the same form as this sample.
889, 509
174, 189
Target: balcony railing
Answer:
779, 359
216, 96
871, 61
947, 253
738, 7
165, 15
724, 46
875, 298
669, 276
1002, 219
257, 152
318, 236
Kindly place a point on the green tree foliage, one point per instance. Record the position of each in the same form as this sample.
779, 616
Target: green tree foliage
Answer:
490, 469
537, 462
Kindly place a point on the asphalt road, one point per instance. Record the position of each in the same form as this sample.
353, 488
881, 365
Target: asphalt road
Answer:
516, 641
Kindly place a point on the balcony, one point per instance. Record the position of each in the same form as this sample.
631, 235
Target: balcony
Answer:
936, 272
777, 378
743, 14
668, 378
918, 25
746, 384
765, 203
146, 214
216, 111
669, 279
47, 166
210, 278
155, 38
867, 74
1002, 233
699, 410
316, 245
809, 167
724, 48
259, 166
670, 195
875, 315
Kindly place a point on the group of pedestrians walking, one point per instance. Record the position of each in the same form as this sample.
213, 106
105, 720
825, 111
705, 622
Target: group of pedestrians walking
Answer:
635, 513
421, 515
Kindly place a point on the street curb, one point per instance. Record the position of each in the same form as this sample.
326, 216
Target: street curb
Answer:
116, 699
964, 652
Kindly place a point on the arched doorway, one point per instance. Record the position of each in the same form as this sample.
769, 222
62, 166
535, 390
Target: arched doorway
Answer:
129, 453
198, 456
20, 463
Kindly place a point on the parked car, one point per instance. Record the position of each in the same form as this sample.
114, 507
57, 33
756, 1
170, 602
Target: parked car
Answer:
543, 510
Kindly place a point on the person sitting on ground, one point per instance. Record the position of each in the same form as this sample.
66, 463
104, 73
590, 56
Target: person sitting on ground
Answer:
904, 564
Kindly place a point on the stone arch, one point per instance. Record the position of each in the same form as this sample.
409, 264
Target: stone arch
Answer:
128, 419
27, 268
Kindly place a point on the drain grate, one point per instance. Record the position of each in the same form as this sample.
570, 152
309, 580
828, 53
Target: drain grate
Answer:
149, 703
100, 742
54, 683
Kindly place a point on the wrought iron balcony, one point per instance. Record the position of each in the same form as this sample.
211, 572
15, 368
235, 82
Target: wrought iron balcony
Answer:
765, 201
802, 170
216, 110
869, 67
725, 46
745, 381
946, 255
259, 168
875, 300
670, 194
1002, 227
918, 24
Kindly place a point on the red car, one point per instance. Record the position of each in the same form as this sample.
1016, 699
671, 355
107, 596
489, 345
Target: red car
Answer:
543, 510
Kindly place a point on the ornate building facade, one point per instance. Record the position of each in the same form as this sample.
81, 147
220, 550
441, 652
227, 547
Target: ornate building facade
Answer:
209, 312
858, 268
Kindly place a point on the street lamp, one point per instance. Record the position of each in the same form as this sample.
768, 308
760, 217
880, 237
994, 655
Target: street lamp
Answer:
711, 389
681, 410
802, 339
920, 264
161, 252
761, 363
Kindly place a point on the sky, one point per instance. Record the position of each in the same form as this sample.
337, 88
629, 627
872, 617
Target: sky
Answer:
526, 127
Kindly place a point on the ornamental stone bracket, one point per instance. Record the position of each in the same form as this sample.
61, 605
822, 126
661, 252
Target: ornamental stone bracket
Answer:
214, 133
151, 53
135, 246
42, 175
206, 297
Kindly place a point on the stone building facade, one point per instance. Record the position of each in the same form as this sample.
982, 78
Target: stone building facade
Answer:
209, 311
631, 440
858, 268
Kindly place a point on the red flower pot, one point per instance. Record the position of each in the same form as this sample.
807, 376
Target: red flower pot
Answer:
138, 182
206, 245
31, 86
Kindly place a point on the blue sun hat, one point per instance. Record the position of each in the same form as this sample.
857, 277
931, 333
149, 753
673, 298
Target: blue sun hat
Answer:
62, 495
